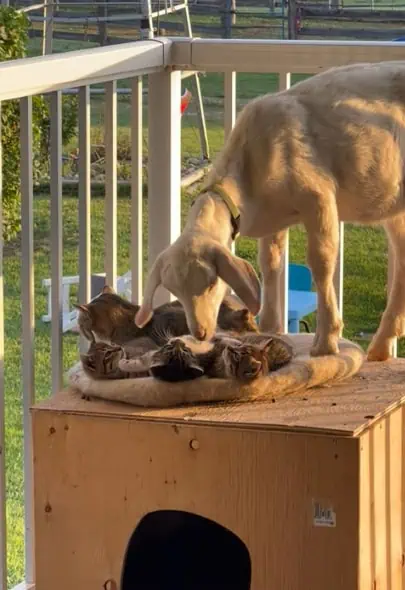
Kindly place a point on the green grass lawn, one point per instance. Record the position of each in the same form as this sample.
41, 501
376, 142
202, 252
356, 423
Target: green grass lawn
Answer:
364, 277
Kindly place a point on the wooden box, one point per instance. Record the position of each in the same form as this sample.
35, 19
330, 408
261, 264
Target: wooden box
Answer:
309, 489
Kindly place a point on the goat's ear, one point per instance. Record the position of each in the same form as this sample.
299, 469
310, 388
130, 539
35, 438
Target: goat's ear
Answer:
240, 275
145, 312
108, 289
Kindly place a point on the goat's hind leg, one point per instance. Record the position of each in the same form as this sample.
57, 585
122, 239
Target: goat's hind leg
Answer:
271, 260
393, 319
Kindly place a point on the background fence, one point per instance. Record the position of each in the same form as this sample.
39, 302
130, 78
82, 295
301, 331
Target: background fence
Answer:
103, 22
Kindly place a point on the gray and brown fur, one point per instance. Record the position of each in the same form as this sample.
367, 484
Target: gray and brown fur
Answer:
111, 318
183, 358
102, 361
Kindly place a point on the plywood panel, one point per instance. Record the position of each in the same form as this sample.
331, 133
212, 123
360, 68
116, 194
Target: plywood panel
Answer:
344, 409
366, 522
394, 445
379, 496
381, 505
95, 477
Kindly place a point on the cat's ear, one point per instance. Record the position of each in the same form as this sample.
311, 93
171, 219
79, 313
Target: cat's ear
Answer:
87, 360
81, 307
108, 289
145, 313
265, 345
238, 274
197, 370
242, 314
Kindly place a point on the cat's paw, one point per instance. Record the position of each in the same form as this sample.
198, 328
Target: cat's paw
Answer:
126, 365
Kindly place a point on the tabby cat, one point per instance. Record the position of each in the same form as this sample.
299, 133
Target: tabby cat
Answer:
102, 361
244, 358
110, 318
184, 358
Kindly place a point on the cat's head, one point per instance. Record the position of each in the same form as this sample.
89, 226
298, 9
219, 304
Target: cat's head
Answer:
105, 314
240, 321
246, 362
175, 362
102, 361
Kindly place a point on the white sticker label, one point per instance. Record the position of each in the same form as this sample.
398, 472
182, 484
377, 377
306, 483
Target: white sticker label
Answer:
323, 515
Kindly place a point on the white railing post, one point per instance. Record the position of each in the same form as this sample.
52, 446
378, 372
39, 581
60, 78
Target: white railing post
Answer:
28, 325
164, 175
84, 202
284, 82
110, 141
3, 521
56, 240
136, 191
229, 110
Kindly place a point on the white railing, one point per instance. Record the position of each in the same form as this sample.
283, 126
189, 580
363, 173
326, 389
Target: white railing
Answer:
162, 61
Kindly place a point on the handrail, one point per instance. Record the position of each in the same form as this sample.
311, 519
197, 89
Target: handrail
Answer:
262, 55
36, 75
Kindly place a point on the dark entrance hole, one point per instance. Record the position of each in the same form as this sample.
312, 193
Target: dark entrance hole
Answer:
175, 550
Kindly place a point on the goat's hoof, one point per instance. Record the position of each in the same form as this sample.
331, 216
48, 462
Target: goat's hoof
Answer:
378, 353
324, 348
270, 328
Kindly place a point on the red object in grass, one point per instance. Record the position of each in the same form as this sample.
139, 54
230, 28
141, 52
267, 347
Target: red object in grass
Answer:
185, 101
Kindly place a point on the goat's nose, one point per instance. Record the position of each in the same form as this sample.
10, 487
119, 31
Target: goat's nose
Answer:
200, 333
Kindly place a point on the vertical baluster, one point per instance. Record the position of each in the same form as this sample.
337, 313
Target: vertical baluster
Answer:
390, 273
229, 102
56, 240
164, 194
3, 523
136, 191
110, 121
27, 300
229, 110
84, 202
284, 82
338, 276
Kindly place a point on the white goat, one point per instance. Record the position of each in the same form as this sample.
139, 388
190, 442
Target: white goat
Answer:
330, 148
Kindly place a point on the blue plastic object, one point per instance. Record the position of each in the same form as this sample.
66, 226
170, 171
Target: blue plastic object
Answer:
301, 300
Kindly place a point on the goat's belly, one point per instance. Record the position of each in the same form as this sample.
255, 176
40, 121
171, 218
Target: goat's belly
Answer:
373, 206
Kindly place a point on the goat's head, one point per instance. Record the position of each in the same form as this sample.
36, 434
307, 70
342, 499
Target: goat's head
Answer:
199, 277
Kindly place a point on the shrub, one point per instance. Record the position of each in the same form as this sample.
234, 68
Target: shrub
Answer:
13, 41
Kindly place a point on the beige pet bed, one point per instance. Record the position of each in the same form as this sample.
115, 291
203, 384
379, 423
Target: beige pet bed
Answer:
304, 372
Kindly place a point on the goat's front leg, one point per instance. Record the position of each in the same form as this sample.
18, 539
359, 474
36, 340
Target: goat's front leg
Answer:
271, 260
393, 320
322, 226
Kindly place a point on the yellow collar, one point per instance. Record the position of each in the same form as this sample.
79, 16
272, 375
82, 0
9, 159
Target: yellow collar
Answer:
233, 209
